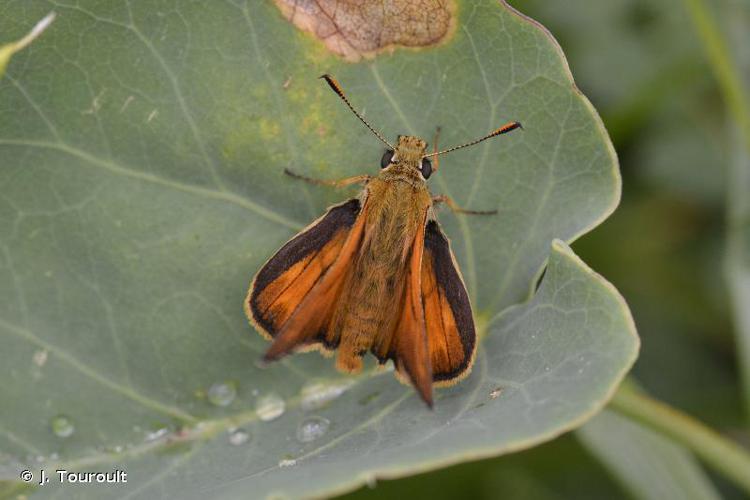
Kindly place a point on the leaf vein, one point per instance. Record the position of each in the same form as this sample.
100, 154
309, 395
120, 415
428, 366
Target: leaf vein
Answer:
86, 370
111, 166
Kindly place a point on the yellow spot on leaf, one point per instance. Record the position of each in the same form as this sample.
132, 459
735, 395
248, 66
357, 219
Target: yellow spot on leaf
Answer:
269, 129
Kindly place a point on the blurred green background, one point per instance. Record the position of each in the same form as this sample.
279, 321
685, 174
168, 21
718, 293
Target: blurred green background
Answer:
643, 66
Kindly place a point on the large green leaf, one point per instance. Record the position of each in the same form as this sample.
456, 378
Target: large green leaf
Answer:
141, 156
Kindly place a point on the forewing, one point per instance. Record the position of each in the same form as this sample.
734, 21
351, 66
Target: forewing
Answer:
288, 278
449, 321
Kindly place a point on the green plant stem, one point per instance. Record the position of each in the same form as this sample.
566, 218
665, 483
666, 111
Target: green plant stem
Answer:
716, 451
721, 63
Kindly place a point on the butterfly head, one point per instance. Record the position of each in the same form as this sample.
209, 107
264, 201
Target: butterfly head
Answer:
408, 155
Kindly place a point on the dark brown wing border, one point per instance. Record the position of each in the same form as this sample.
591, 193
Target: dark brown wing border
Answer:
450, 281
309, 240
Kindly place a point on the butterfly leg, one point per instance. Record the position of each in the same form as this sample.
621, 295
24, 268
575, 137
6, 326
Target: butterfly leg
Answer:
453, 206
357, 179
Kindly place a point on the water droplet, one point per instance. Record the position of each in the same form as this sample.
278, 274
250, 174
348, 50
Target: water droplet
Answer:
312, 428
40, 357
157, 434
316, 395
287, 462
222, 393
62, 426
198, 428
270, 407
238, 437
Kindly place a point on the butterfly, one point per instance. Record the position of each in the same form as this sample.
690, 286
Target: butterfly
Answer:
374, 274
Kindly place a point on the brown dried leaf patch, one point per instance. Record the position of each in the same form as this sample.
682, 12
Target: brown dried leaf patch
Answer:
354, 29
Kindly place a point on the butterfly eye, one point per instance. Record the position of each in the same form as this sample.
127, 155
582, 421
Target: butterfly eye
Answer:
426, 168
386, 159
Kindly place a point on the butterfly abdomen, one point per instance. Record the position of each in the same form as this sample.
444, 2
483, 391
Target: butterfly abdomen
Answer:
371, 300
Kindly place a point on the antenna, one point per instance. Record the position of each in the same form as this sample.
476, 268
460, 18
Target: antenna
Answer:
502, 130
340, 92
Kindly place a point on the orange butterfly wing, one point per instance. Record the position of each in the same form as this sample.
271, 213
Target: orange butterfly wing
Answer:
434, 339
292, 298
451, 335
